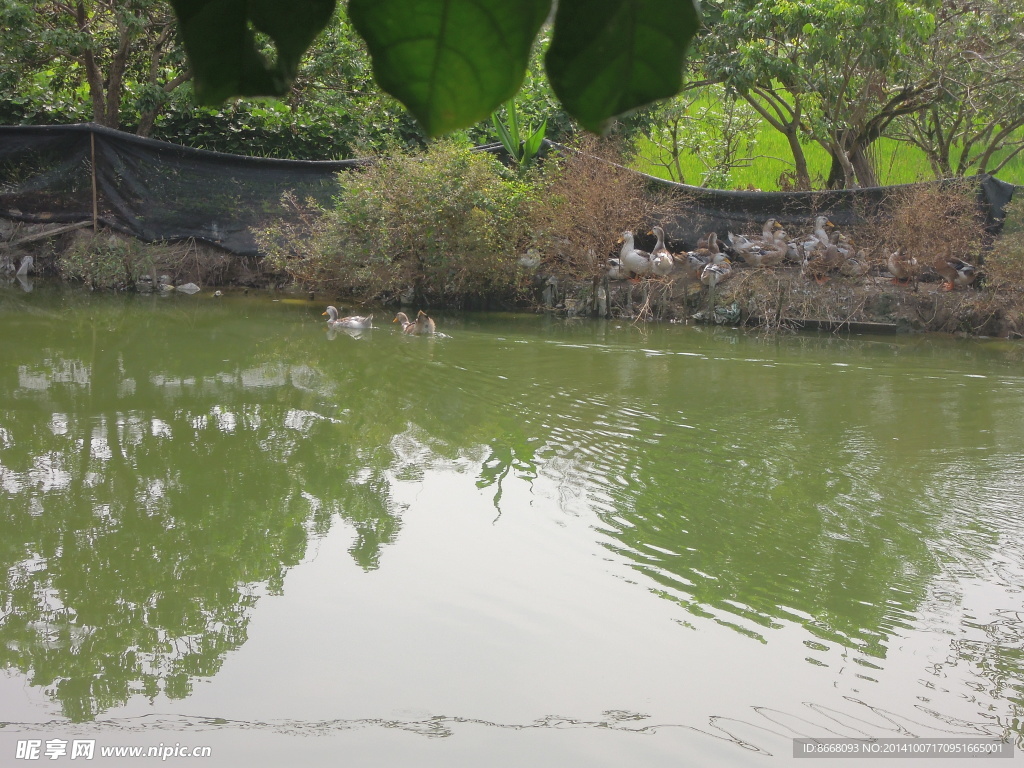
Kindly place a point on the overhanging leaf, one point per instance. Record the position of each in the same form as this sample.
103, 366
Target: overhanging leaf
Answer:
610, 56
450, 62
220, 38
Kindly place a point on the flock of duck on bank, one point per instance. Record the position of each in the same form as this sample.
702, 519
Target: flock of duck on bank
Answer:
423, 325
820, 254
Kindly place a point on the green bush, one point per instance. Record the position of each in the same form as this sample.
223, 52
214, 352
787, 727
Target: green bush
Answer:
105, 261
446, 225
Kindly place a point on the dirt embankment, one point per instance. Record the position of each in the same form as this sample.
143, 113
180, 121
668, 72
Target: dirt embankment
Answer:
784, 299
776, 299
108, 260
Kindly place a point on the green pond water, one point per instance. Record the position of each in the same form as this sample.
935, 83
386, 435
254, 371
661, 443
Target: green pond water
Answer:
528, 541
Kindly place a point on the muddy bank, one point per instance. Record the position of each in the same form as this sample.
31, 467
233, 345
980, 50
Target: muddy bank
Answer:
784, 299
108, 260
779, 299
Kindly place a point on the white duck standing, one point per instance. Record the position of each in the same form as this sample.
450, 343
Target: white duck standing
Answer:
662, 262
715, 273
632, 260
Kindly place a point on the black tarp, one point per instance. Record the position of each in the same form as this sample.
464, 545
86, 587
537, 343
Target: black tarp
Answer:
160, 191
152, 189
722, 211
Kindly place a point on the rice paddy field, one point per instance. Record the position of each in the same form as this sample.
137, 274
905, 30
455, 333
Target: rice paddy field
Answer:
898, 162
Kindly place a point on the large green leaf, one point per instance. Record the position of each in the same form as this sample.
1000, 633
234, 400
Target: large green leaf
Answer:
220, 39
450, 62
610, 56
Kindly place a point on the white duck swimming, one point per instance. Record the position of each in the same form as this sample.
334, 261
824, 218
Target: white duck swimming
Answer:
352, 321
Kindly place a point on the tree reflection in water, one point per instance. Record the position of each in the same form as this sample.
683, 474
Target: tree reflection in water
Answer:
163, 467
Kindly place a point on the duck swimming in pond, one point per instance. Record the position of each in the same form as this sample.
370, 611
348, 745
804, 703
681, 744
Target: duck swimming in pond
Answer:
352, 321
423, 325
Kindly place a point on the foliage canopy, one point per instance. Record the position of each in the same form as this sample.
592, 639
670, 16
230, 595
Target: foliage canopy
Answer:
453, 62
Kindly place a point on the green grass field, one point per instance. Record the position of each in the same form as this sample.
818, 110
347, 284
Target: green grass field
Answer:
897, 162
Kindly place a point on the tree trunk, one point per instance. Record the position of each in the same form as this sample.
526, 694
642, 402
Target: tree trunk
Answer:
851, 166
147, 117
802, 175
92, 70
115, 78
849, 173
836, 177
842, 174
867, 176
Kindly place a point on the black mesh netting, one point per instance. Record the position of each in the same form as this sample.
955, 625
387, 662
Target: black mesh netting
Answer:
706, 210
152, 189
160, 191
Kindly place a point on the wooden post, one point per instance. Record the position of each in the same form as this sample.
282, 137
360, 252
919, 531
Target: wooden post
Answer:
95, 200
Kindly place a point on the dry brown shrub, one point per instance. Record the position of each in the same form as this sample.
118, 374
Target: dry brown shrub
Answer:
1004, 266
652, 299
591, 200
1013, 221
778, 300
1004, 280
195, 261
929, 221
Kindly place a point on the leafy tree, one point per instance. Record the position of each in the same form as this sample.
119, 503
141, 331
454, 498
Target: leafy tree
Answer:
335, 84
719, 130
120, 50
976, 59
837, 73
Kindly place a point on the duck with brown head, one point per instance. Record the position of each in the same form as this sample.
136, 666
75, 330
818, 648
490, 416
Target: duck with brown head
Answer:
423, 325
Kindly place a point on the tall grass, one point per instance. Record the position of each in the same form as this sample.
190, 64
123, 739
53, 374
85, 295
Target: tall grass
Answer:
898, 162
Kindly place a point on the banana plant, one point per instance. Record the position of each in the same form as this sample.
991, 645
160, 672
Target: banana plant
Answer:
520, 150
